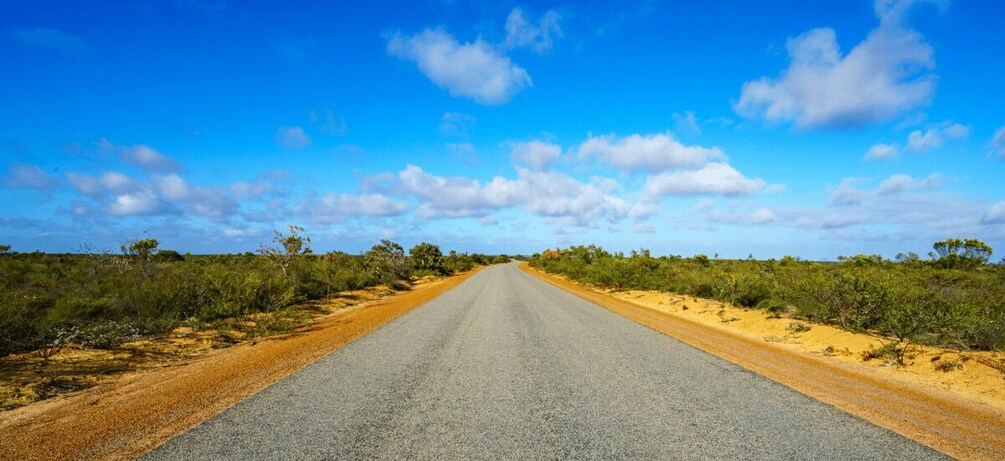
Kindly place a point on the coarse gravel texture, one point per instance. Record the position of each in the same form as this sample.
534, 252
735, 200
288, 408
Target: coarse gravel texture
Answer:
505, 366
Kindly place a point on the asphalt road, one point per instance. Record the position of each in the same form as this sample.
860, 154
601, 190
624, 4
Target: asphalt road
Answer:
506, 366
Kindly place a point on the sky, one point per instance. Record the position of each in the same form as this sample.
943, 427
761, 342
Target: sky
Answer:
730, 128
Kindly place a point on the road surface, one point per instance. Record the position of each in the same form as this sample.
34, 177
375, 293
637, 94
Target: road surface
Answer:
506, 366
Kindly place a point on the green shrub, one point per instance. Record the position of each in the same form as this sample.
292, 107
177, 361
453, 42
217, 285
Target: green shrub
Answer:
942, 302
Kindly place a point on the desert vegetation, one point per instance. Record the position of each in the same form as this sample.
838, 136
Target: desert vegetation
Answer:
102, 298
955, 298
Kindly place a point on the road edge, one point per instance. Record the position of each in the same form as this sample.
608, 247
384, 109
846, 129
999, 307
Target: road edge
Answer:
954, 426
136, 414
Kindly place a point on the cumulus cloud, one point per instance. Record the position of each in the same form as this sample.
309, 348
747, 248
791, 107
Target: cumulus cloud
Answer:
138, 203
547, 194
475, 70
899, 183
932, 138
651, 153
998, 143
108, 182
686, 123
883, 152
457, 124
711, 179
522, 33
333, 208
919, 141
995, 214
848, 194
752, 217
54, 39
536, 155
20, 175
122, 195
143, 156
887, 73
456, 197
557, 195
292, 137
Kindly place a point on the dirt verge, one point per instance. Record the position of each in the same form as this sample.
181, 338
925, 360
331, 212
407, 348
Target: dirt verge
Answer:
960, 427
130, 416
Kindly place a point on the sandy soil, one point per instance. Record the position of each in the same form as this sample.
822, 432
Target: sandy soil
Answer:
30, 377
978, 375
960, 412
146, 402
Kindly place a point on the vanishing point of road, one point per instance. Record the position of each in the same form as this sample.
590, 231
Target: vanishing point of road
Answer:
506, 366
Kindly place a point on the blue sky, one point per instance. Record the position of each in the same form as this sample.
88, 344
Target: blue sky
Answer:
769, 128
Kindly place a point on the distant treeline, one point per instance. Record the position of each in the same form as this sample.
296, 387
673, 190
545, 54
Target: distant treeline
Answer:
48, 299
953, 299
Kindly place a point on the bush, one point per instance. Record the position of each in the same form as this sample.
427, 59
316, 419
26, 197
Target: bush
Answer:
950, 304
100, 299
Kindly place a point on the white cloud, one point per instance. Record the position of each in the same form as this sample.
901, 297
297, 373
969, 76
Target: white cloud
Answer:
995, 214
755, 217
918, 141
899, 183
711, 179
521, 33
292, 137
847, 194
652, 153
84, 183
115, 182
998, 143
457, 124
882, 152
46, 37
25, 176
109, 182
887, 73
143, 156
956, 131
474, 70
556, 195
932, 138
537, 155
258, 187
686, 123
139, 203
332, 207
172, 187
547, 194
456, 197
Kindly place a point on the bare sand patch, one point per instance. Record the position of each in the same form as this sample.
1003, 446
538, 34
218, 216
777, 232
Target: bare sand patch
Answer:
978, 375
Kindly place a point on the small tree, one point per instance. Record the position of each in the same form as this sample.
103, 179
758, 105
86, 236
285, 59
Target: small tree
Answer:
140, 252
143, 249
289, 247
388, 262
427, 257
954, 253
4, 249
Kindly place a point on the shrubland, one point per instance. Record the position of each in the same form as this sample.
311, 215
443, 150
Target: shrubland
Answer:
99, 299
954, 299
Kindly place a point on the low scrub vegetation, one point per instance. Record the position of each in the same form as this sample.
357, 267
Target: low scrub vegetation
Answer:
953, 299
100, 299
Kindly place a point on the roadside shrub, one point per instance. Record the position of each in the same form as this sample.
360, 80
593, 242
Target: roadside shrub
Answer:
947, 303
